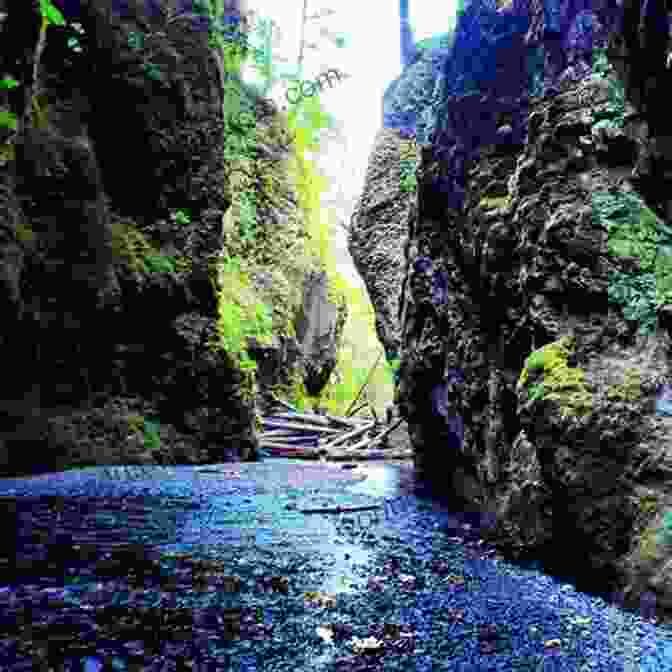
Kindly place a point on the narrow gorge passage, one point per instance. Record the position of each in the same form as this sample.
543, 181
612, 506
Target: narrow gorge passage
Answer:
237, 235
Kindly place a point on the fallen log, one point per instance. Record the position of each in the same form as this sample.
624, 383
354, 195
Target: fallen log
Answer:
382, 435
278, 444
317, 419
375, 455
358, 446
349, 435
289, 432
342, 509
281, 424
291, 451
308, 440
278, 452
349, 422
277, 432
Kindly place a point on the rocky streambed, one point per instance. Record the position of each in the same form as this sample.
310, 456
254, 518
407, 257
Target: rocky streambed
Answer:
280, 565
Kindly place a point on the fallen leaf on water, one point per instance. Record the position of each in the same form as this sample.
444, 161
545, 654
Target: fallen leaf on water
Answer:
327, 634
280, 583
582, 621
374, 582
320, 599
366, 644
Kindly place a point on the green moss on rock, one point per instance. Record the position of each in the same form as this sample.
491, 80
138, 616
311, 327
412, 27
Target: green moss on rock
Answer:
629, 390
648, 504
559, 382
494, 203
25, 235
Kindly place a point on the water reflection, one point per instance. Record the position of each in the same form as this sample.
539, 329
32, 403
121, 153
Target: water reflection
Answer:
382, 480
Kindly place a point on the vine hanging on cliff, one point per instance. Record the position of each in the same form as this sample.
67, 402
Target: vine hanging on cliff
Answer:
29, 19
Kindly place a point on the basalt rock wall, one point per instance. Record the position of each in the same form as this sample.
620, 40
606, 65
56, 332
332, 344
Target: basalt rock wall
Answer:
114, 188
534, 305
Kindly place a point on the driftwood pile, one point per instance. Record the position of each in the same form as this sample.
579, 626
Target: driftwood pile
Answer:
291, 433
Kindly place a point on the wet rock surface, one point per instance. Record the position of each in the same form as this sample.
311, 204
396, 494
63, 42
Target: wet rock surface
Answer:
532, 329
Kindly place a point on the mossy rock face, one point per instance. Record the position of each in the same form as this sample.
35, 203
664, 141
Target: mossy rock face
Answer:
649, 548
629, 390
555, 380
649, 504
25, 235
494, 203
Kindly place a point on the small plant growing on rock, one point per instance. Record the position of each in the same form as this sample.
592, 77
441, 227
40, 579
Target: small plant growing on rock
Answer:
665, 534
408, 165
151, 437
157, 263
180, 217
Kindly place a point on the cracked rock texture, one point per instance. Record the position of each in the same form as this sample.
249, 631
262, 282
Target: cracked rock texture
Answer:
109, 293
534, 290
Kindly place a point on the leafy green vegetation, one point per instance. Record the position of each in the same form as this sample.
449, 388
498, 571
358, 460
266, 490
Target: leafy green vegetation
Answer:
131, 247
51, 14
8, 82
157, 263
180, 217
636, 293
665, 536
408, 164
8, 119
305, 240
247, 217
614, 111
241, 314
263, 60
151, 437
634, 230
393, 366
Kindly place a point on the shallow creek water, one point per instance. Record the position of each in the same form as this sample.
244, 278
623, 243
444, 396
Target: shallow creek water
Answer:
60, 530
